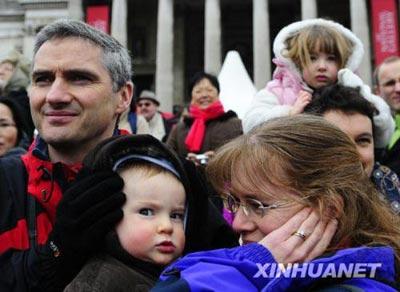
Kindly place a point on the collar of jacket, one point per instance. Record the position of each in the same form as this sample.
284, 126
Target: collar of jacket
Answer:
46, 180
39, 146
228, 115
397, 121
114, 248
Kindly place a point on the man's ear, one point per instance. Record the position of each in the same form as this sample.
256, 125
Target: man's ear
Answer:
124, 97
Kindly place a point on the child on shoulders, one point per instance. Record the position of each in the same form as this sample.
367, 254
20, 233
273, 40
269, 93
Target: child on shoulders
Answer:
310, 54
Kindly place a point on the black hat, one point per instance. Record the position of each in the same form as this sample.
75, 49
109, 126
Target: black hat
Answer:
117, 150
112, 152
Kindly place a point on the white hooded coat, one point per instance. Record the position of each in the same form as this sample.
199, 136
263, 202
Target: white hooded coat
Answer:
266, 105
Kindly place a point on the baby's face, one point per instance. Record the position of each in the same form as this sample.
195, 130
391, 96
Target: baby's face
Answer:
152, 227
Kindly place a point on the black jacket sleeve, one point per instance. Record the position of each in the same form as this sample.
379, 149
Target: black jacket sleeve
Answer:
35, 269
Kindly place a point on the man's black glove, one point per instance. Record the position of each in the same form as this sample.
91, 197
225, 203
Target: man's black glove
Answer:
88, 210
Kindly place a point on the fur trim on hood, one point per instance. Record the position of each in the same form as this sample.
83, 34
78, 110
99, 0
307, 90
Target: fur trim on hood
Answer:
279, 47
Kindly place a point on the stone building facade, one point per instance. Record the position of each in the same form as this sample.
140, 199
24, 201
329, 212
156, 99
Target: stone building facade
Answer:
171, 39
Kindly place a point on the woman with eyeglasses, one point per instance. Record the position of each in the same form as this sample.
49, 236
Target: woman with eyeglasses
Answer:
12, 125
308, 216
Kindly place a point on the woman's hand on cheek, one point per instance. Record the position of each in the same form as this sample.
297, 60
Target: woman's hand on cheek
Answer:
287, 247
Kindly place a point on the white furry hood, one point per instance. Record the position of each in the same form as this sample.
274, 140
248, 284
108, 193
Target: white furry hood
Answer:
279, 43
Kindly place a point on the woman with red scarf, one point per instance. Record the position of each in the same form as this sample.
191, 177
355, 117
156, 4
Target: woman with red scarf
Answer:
207, 126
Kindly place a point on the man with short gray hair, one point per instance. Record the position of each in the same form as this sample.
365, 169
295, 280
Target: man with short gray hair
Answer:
51, 223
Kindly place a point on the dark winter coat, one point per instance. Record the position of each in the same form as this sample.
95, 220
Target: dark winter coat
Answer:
33, 178
218, 132
115, 271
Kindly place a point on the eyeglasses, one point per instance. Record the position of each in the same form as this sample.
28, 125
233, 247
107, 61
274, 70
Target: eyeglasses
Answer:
250, 206
145, 104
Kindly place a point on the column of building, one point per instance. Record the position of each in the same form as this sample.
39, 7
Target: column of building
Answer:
212, 37
359, 25
261, 44
164, 54
75, 9
37, 15
308, 9
119, 21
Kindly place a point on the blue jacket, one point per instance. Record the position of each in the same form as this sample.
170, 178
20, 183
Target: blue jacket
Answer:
245, 269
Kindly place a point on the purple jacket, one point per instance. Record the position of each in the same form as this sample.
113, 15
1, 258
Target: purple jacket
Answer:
252, 268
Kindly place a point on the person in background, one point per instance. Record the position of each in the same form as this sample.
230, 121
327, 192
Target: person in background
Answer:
310, 54
12, 128
305, 209
207, 126
387, 85
346, 108
14, 73
147, 106
132, 122
14, 80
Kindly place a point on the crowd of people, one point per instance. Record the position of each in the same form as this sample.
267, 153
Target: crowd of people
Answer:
100, 191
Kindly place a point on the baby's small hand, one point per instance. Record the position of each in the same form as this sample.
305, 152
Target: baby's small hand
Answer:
302, 100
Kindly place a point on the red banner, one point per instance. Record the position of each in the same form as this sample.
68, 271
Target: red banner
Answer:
98, 17
384, 29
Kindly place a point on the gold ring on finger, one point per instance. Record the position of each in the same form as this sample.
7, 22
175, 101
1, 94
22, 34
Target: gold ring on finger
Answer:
300, 233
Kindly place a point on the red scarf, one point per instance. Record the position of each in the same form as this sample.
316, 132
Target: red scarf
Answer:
195, 137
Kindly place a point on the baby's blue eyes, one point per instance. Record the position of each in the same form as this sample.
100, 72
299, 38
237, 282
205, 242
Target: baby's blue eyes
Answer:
151, 212
146, 212
177, 216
